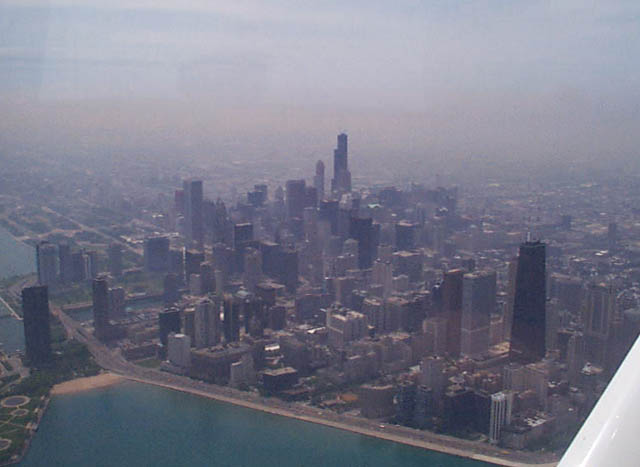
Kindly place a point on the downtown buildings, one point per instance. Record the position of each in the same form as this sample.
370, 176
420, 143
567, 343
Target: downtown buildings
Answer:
398, 292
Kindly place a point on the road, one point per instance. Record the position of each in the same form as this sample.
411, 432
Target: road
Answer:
138, 251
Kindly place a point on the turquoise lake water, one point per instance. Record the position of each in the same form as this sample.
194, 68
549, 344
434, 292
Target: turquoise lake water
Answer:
132, 424
16, 258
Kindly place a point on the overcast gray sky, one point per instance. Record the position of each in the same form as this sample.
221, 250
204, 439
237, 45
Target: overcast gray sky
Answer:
504, 79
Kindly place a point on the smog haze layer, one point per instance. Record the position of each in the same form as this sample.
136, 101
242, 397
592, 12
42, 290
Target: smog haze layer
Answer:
430, 85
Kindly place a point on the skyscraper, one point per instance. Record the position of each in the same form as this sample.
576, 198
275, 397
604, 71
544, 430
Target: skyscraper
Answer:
193, 210
500, 415
231, 319
37, 331
100, 294
168, 321
46, 263
599, 313
362, 230
341, 176
529, 317
452, 307
66, 266
318, 180
156, 253
405, 235
114, 253
478, 302
296, 198
78, 266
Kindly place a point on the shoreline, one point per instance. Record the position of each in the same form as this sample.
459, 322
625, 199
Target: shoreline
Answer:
87, 383
387, 436
12, 312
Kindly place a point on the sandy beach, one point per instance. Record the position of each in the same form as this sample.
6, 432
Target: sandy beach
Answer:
82, 384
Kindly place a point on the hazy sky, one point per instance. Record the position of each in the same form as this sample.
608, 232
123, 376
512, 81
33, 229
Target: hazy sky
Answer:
444, 78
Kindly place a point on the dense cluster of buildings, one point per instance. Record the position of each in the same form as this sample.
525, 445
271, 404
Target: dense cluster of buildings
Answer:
431, 316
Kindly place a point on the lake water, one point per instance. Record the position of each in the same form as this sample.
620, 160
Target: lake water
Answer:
133, 424
16, 258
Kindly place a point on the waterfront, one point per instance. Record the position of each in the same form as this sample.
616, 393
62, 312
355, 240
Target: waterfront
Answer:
138, 424
16, 258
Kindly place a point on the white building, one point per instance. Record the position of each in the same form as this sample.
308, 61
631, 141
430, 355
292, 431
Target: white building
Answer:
179, 350
501, 404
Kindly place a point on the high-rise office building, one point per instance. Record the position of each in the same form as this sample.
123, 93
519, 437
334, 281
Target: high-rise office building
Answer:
117, 303
201, 323
156, 253
405, 235
192, 261
168, 321
599, 312
500, 415
318, 180
252, 269
93, 264
114, 254
207, 278
296, 198
478, 302
507, 319
78, 266
176, 263
193, 211
170, 294
231, 319
66, 266
37, 330
406, 402
452, 308
100, 295
529, 317
46, 264
341, 176
242, 234
362, 230
179, 350
328, 211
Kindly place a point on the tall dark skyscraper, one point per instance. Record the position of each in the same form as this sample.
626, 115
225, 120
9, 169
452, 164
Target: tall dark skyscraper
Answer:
529, 320
362, 230
193, 210
66, 265
340, 154
114, 252
296, 198
168, 321
156, 253
101, 308
46, 254
478, 302
231, 319
318, 180
37, 330
341, 176
452, 306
